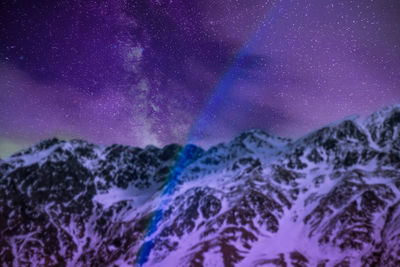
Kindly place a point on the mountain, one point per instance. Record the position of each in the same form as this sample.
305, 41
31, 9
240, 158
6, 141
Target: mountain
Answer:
330, 198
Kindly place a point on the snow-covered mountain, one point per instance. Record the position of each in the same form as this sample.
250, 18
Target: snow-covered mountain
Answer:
330, 198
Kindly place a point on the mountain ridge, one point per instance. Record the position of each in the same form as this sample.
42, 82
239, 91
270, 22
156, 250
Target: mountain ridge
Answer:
329, 198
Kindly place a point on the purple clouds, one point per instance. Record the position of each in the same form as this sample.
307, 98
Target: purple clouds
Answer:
140, 72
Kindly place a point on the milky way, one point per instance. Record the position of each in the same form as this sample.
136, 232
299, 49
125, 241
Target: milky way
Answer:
151, 72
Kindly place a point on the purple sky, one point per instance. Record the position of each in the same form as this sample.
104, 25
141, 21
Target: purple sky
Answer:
140, 72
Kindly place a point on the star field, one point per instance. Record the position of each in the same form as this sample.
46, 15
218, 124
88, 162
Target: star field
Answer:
152, 72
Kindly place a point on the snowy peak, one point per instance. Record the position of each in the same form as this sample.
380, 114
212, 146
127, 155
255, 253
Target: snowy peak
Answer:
254, 140
342, 144
384, 127
124, 165
381, 115
56, 150
245, 151
346, 131
330, 198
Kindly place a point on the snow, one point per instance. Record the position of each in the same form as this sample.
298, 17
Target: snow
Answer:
30, 159
115, 194
228, 186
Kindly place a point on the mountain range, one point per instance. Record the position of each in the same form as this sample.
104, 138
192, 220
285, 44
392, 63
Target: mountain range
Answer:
329, 198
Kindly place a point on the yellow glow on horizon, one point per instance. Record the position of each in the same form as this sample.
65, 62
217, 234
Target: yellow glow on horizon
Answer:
9, 146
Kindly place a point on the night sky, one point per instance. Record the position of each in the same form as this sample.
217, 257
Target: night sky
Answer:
156, 72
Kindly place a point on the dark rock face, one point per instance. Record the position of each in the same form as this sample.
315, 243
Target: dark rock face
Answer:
330, 198
384, 127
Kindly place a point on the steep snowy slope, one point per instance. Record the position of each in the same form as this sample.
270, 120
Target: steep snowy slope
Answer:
330, 198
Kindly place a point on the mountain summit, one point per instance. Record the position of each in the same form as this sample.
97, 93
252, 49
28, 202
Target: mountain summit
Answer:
330, 198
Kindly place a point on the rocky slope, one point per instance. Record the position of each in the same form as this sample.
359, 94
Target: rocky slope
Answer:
330, 198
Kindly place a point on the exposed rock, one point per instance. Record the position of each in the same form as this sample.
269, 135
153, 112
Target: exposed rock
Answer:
330, 198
